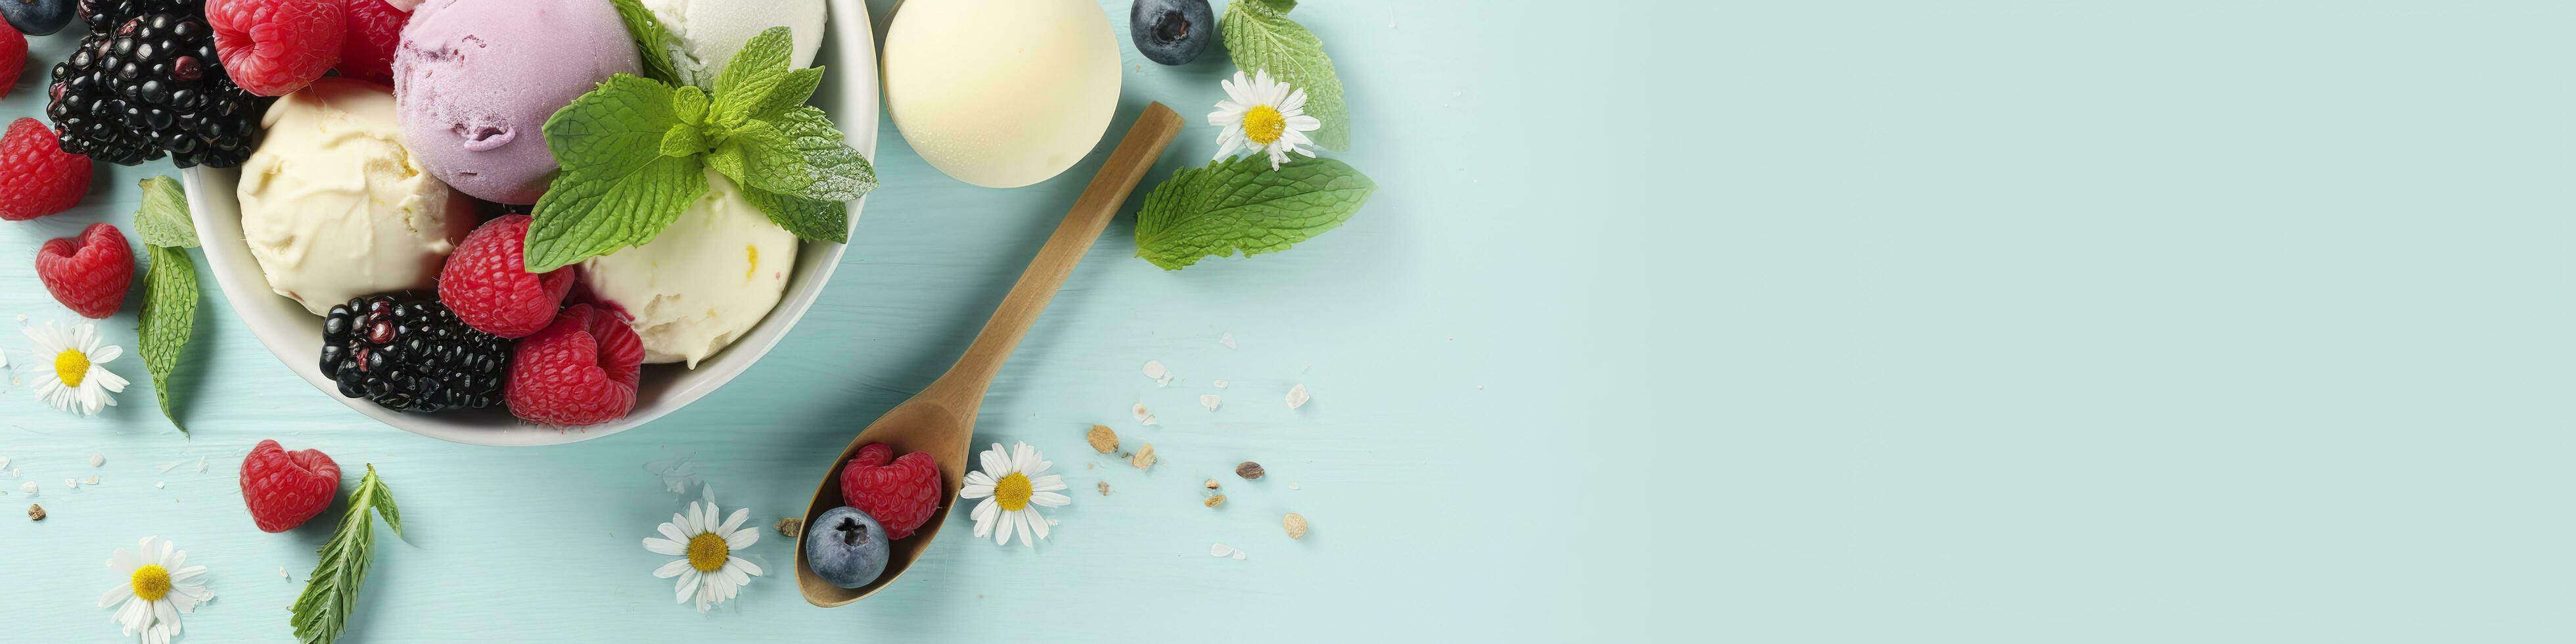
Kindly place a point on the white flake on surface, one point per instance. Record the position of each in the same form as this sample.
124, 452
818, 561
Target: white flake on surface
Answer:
1222, 384
1297, 396
166, 467
1227, 340
1292, 486
70, 483
1155, 370
281, 574
159, 484
90, 481
1238, 555
28, 487
4, 357
677, 474
1142, 416
201, 465
4, 462
97, 459
1209, 401
1220, 550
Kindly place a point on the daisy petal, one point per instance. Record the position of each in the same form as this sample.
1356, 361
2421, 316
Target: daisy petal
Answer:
672, 569
661, 546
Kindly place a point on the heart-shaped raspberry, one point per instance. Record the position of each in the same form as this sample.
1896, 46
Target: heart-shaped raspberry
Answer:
901, 494
284, 489
88, 273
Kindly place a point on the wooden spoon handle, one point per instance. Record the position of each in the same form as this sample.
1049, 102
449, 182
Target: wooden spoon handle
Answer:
964, 384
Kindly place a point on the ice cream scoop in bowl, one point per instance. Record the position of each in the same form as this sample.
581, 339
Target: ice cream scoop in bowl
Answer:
849, 94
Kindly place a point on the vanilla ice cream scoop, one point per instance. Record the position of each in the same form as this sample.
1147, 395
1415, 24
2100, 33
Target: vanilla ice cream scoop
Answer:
703, 282
710, 32
334, 206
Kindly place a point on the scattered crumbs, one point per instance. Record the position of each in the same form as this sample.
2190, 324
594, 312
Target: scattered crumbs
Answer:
1086, 466
1297, 396
1220, 550
1295, 524
1211, 484
1480, 386
28, 488
1238, 555
16, 473
1292, 486
97, 459
1154, 369
90, 481
1103, 439
4, 460
166, 467
281, 574
1217, 500
1227, 340
1144, 457
1143, 417
159, 485
791, 526
1104, 488
35, 512
201, 465
69, 483
1209, 401
1221, 384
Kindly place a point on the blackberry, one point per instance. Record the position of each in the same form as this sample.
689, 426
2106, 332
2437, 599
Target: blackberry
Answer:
411, 354
149, 87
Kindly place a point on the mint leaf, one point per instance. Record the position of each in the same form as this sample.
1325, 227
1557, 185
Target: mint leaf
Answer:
1260, 37
690, 104
1241, 204
755, 73
800, 155
683, 140
613, 130
169, 316
163, 221
652, 40
330, 594
809, 219
584, 216
792, 92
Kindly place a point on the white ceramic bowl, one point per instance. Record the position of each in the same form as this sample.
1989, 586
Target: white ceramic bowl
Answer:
849, 94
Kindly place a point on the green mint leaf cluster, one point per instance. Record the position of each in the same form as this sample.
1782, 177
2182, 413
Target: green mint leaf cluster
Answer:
1240, 204
1260, 37
169, 315
636, 150
652, 40
331, 592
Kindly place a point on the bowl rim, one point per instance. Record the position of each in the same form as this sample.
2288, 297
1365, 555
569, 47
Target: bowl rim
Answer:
857, 90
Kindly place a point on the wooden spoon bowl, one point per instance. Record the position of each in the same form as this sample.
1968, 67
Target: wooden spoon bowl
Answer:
941, 419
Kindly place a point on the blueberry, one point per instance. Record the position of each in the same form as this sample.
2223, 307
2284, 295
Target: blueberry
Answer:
1171, 32
37, 17
844, 546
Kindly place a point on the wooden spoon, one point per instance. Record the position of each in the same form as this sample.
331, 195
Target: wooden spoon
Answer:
941, 419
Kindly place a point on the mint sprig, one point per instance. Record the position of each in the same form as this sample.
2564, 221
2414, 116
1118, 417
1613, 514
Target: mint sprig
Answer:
169, 316
635, 152
330, 594
1241, 204
1260, 37
652, 40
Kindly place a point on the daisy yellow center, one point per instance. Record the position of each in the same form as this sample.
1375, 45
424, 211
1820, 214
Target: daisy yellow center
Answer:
707, 552
71, 365
1012, 491
151, 582
1263, 125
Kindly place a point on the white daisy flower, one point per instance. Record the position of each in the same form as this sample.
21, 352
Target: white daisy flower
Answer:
157, 589
79, 382
1008, 491
1262, 114
707, 567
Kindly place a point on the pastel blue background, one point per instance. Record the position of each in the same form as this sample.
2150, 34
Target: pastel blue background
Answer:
1823, 321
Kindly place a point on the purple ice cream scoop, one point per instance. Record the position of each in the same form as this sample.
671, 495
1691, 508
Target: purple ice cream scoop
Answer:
475, 81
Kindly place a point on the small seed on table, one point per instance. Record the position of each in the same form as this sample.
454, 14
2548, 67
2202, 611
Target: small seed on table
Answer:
1248, 470
1103, 439
1217, 500
790, 526
1296, 525
35, 512
1144, 457
1211, 484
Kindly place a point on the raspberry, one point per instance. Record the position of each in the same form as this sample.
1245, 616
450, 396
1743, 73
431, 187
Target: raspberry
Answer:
487, 282
367, 52
580, 371
88, 273
274, 47
13, 57
900, 494
284, 489
37, 177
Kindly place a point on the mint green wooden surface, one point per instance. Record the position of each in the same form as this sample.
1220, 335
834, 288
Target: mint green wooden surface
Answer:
1832, 321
